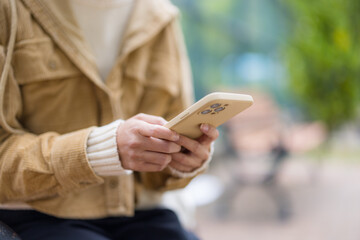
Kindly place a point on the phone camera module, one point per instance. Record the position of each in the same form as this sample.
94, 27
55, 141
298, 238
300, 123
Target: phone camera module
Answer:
206, 111
219, 109
215, 105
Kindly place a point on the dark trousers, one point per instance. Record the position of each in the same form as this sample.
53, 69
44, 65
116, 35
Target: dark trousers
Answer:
157, 224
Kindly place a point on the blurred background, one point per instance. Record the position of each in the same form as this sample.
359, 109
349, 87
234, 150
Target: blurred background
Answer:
288, 167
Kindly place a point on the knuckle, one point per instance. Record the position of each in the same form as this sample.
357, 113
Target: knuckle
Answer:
139, 116
132, 154
181, 158
136, 125
174, 148
196, 147
155, 131
161, 118
164, 158
178, 148
174, 157
152, 131
166, 148
133, 128
169, 147
134, 144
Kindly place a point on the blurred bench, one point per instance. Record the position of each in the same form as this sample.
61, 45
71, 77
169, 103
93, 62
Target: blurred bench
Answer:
256, 140
261, 139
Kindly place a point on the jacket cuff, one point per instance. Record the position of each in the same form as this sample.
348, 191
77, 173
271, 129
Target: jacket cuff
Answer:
70, 163
203, 167
102, 151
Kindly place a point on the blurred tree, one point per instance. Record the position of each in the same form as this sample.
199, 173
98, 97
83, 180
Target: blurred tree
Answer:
217, 33
208, 39
323, 59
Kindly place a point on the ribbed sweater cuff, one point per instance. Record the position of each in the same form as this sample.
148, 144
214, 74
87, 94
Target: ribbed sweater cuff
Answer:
102, 151
203, 167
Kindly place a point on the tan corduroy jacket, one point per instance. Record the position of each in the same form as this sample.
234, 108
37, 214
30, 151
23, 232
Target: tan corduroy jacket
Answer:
51, 96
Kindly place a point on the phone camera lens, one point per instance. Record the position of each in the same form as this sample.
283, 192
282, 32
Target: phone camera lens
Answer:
219, 109
215, 105
206, 111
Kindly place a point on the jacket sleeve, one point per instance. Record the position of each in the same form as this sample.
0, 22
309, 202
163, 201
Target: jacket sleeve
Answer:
34, 167
169, 64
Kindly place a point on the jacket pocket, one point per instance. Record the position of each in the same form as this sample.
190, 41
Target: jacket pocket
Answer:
39, 59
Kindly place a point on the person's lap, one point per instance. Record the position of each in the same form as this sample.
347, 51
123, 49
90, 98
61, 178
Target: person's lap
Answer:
149, 224
60, 231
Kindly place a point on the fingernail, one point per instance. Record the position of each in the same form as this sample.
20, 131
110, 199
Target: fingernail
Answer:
205, 127
176, 137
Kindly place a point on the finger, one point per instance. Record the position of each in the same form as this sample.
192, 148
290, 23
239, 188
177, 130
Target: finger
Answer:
210, 134
149, 167
137, 160
160, 132
156, 158
151, 119
190, 161
195, 147
159, 145
180, 167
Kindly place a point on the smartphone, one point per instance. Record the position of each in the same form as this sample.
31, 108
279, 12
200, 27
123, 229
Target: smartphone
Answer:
214, 109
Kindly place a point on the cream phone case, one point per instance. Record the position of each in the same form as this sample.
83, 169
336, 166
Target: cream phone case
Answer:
215, 109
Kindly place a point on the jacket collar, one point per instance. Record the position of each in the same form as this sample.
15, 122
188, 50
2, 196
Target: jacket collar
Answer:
147, 19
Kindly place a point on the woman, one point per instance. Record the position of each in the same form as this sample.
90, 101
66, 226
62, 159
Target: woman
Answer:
85, 88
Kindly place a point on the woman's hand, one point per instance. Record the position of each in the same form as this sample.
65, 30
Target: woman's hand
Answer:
145, 145
196, 152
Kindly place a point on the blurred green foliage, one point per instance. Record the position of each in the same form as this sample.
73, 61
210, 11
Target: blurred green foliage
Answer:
219, 31
322, 56
316, 44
